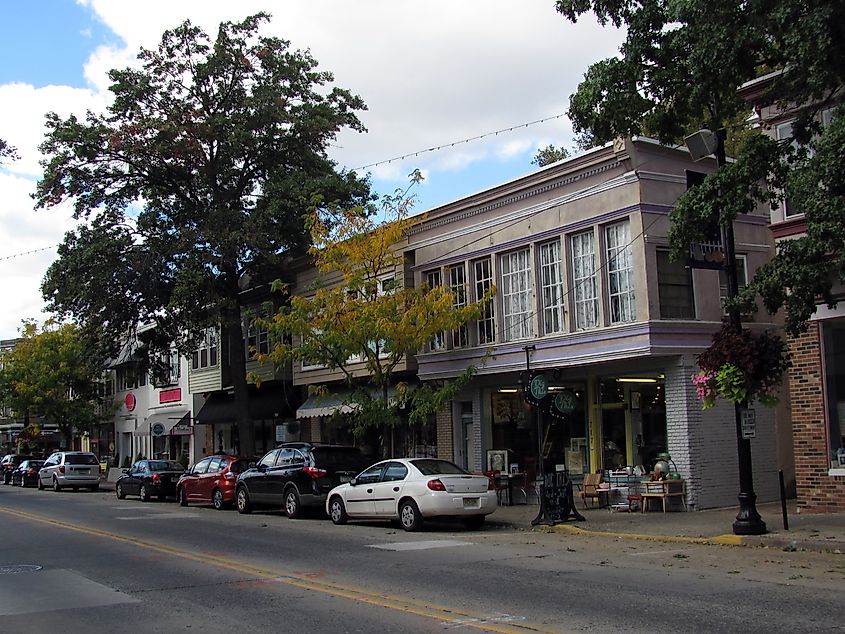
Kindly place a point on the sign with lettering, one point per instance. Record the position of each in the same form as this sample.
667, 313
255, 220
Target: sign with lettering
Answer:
748, 424
157, 429
538, 387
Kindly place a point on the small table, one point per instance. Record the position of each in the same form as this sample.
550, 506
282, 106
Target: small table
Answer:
507, 480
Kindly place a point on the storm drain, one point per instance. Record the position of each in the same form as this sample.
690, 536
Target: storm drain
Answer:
18, 568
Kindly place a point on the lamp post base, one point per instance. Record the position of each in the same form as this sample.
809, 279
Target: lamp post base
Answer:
748, 520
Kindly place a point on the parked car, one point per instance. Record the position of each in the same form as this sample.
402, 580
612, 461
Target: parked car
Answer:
148, 479
412, 490
295, 476
212, 481
26, 473
72, 469
9, 463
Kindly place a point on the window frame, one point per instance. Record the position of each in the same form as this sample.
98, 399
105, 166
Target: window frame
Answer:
660, 253
552, 296
585, 289
616, 253
522, 290
485, 326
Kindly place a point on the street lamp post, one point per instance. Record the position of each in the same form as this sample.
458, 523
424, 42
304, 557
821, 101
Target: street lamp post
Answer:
748, 520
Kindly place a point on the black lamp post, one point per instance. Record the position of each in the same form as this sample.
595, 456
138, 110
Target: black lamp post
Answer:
748, 520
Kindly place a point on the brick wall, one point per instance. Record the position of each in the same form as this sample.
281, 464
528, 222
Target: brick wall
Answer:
445, 441
817, 491
703, 445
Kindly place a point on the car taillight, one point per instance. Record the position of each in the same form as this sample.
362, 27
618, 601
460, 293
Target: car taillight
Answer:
491, 484
30, 471
435, 485
315, 473
156, 477
61, 469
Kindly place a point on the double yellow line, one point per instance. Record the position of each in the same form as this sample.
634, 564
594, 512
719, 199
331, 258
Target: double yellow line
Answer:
454, 617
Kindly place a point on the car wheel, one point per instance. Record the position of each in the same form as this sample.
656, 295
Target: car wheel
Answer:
475, 522
217, 500
7, 477
337, 511
118, 491
56, 486
242, 501
40, 484
144, 493
293, 508
181, 497
409, 515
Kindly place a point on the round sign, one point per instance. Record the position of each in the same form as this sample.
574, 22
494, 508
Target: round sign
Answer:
539, 387
129, 401
157, 429
566, 401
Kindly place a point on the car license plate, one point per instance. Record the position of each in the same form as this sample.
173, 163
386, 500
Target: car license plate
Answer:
470, 503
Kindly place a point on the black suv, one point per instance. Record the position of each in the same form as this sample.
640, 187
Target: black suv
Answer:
296, 475
9, 463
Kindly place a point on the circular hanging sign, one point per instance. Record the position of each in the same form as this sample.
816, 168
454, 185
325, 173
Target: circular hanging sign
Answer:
129, 401
157, 429
539, 387
566, 401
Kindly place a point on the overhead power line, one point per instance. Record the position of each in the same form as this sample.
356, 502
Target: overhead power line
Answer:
17, 255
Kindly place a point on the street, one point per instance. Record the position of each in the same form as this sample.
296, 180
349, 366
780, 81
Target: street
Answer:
116, 566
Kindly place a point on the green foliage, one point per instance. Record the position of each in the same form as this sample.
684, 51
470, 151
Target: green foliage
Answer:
7, 151
50, 375
548, 155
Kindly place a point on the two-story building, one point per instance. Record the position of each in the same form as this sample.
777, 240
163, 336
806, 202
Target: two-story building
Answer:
817, 377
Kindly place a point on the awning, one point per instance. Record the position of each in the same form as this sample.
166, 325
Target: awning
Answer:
263, 405
328, 404
160, 424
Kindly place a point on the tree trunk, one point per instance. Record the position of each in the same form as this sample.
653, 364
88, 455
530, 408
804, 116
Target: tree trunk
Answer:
237, 363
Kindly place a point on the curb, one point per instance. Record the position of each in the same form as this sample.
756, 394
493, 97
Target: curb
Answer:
748, 541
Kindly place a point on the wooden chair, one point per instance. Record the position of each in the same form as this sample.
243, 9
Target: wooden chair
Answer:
590, 488
663, 490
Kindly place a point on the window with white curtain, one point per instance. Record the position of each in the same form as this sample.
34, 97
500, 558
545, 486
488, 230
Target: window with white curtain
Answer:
551, 283
435, 279
584, 280
620, 273
458, 287
486, 324
516, 295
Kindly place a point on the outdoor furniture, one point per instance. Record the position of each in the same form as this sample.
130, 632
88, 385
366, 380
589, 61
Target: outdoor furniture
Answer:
590, 488
663, 490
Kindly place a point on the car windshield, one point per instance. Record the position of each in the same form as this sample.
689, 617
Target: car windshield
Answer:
81, 458
429, 467
338, 458
165, 465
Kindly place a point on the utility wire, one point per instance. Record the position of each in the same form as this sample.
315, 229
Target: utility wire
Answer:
17, 255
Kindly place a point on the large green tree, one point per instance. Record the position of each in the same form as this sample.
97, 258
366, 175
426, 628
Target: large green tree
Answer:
680, 69
194, 181
51, 376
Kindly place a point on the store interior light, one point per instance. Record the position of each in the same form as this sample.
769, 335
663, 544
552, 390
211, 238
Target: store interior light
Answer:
507, 390
635, 379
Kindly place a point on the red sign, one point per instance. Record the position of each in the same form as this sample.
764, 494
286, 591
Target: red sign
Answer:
129, 401
170, 396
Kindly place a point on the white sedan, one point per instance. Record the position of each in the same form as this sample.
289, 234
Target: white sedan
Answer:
411, 489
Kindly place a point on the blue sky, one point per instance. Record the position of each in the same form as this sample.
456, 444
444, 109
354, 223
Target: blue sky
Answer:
431, 74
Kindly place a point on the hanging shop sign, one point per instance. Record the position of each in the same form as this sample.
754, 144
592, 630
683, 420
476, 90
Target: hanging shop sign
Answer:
538, 388
564, 403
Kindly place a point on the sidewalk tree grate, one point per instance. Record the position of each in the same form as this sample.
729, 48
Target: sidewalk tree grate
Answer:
18, 568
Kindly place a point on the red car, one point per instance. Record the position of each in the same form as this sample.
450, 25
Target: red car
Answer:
211, 481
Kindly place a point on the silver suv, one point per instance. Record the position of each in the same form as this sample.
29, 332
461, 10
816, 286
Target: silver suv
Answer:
70, 469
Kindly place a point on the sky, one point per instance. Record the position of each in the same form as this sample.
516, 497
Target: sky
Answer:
433, 74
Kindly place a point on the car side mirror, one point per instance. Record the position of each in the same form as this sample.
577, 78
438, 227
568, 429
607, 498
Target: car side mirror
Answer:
353, 482
261, 467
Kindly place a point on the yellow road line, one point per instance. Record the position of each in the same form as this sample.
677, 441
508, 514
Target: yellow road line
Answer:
410, 606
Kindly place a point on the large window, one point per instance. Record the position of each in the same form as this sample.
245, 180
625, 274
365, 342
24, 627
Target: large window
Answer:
833, 333
435, 279
258, 336
516, 295
458, 287
205, 356
783, 132
486, 324
620, 273
168, 370
674, 285
551, 283
741, 279
584, 280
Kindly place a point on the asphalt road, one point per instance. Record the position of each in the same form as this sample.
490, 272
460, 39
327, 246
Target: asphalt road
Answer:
111, 565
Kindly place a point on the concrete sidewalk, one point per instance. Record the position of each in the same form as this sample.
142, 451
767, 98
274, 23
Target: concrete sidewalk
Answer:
820, 533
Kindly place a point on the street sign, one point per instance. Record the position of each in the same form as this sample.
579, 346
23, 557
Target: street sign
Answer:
748, 424
157, 429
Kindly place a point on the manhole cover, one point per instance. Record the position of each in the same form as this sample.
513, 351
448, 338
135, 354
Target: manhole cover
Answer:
14, 569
